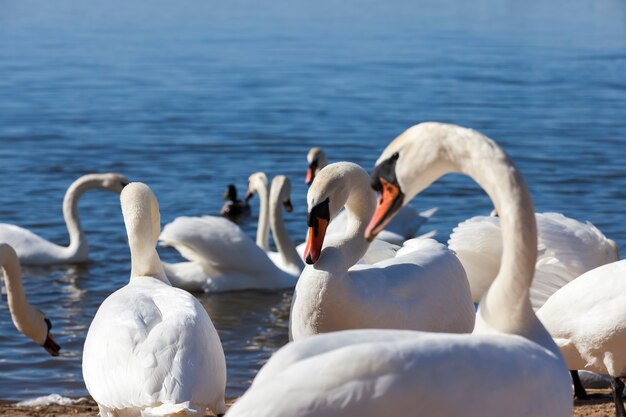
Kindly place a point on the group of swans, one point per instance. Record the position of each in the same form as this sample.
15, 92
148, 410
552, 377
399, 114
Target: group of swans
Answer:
375, 338
502, 368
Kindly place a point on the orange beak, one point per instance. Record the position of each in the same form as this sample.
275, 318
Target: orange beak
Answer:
310, 173
389, 202
315, 241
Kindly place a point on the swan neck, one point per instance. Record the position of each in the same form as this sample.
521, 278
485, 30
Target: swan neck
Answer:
23, 314
78, 243
506, 305
263, 227
360, 206
285, 246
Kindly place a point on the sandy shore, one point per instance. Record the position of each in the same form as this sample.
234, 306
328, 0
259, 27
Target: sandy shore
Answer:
599, 405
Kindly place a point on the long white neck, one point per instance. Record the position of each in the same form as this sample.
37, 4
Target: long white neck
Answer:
506, 305
285, 246
142, 218
26, 318
78, 244
360, 206
263, 227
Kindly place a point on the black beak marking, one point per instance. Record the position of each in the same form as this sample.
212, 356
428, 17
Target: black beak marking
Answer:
319, 211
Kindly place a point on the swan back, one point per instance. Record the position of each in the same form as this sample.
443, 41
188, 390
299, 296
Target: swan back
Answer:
143, 226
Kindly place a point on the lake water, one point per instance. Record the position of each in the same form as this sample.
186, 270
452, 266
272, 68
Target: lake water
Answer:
190, 96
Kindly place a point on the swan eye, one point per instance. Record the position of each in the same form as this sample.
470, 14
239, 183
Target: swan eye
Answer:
395, 156
386, 171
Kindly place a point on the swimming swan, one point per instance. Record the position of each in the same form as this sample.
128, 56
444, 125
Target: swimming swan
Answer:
509, 366
152, 349
223, 258
423, 287
30, 321
35, 250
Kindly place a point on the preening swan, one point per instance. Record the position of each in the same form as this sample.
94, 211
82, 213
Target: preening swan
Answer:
509, 366
567, 249
587, 319
30, 321
35, 250
423, 287
404, 226
151, 348
224, 258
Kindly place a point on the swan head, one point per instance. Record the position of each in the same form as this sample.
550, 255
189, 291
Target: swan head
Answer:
328, 194
141, 216
316, 160
111, 182
257, 181
408, 165
30, 321
281, 191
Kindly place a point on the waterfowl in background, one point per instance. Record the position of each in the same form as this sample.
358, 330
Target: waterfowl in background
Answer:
30, 321
509, 366
423, 287
567, 249
223, 258
233, 209
404, 226
152, 349
32, 249
587, 319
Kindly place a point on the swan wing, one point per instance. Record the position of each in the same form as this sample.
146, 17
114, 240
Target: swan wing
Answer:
151, 344
216, 243
31, 249
424, 287
386, 372
477, 243
568, 248
587, 319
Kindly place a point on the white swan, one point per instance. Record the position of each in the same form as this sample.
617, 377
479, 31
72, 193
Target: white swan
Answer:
224, 258
404, 226
567, 249
423, 287
258, 184
509, 367
35, 250
31, 322
152, 349
587, 319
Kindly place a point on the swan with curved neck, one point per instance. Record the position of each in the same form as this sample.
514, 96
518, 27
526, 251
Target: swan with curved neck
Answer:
30, 321
421, 288
223, 258
152, 349
35, 250
433, 373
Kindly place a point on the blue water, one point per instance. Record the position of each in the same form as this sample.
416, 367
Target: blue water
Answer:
190, 96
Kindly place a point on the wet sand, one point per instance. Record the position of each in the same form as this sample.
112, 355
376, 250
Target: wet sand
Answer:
600, 404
